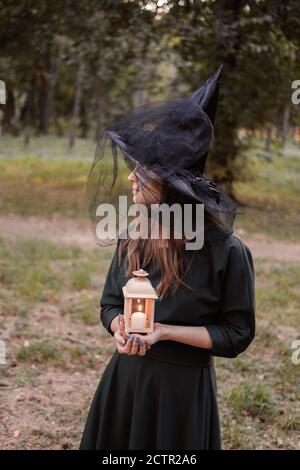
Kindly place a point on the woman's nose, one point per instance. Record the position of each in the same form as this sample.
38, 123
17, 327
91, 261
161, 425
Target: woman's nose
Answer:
132, 177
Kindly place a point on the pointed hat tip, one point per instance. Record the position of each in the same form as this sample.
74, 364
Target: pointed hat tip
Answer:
207, 95
215, 77
209, 85
218, 71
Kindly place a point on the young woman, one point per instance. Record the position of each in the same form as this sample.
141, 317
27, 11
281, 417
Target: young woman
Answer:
159, 391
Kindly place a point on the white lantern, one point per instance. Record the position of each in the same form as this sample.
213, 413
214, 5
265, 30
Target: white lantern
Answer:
139, 302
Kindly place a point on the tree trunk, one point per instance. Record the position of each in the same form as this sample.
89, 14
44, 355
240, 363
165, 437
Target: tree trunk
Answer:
53, 79
285, 125
100, 111
84, 124
43, 100
268, 138
76, 104
9, 110
225, 148
26, 136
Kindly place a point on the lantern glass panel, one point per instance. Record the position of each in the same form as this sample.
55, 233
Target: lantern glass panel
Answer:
138, 305
138, 314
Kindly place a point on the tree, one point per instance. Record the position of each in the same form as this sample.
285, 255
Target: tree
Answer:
257, 41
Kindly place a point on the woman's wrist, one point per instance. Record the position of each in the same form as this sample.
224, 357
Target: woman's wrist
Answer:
165, 332
114, 324
197, 336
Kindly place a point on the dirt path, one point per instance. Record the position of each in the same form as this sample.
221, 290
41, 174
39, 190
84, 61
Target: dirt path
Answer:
70, 231
58, 229
263, 246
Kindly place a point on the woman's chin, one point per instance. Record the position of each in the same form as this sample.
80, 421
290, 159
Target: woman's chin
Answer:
136, 199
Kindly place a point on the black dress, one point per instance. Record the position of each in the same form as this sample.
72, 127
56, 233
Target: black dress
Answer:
166, 400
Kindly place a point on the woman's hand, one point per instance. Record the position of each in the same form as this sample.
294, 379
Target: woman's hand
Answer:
128, 344
155, 336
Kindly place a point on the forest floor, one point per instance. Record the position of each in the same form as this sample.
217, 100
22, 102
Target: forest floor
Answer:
52, 275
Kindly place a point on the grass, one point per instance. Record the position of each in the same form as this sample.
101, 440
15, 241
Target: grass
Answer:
278, 293
83, 308
45, 147
80, 277
38, 270
271, 195
254, 399
46, 178
38, 352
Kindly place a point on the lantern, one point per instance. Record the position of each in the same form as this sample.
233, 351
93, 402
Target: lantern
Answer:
139, 301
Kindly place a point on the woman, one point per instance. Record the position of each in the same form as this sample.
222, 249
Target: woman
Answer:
158, 391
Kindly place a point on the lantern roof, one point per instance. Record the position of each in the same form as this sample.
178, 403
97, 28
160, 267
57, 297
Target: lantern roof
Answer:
139, 286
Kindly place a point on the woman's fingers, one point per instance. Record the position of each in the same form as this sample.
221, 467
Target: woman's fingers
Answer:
139, 346
131, 345
135, 345
142, 339
128, 345
142, 350
121, 324
119, 339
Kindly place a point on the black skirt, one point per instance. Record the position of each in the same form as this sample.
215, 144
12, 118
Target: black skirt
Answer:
150, 402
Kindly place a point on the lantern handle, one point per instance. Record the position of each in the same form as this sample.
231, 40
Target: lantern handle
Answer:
140, 273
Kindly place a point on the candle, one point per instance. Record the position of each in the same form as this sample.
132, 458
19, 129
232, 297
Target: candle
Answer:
138, 320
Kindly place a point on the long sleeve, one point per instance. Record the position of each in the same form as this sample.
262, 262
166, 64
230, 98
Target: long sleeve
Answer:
112, 299
236, 328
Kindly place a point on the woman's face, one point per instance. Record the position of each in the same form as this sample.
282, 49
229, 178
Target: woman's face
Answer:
149, 192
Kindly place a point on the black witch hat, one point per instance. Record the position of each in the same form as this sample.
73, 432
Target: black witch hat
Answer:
172, 139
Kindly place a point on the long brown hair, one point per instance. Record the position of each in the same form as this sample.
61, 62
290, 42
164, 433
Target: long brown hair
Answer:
174, 260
